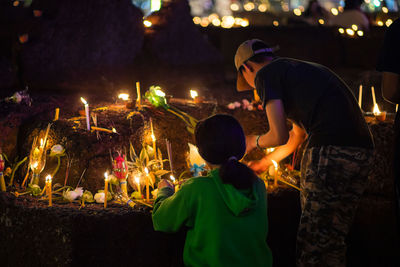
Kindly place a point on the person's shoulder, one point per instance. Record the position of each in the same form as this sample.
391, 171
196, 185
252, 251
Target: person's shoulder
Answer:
197, 181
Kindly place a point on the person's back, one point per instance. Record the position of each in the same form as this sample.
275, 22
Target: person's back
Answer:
225, 212
316, 99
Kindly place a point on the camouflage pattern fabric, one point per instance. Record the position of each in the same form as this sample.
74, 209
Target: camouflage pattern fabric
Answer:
332, 179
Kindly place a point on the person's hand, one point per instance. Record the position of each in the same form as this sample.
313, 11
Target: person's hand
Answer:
165, 183
250, 142
260, 166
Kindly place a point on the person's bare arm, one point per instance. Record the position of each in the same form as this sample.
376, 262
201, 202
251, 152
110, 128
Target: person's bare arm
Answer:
278, 133
296, 137
391, 87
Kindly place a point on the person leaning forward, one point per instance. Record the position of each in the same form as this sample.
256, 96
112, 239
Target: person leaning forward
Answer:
335, 163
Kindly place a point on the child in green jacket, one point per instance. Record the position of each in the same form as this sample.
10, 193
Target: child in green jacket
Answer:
226, 211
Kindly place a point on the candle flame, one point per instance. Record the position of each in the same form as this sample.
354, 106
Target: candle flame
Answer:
376, 110
34, 165
114, 130
106, 176
123, 96
147, 23
193, 94
159, 93
137, 179
275, 164
172, 178
83, 101
48, 178
146, 170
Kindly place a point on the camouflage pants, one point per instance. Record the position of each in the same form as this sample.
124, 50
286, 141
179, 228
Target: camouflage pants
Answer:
332, 179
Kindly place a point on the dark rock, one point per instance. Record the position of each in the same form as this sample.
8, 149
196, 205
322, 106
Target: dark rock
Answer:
8, 78
82, 44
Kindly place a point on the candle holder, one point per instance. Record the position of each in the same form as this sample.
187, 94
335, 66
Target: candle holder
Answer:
37, 160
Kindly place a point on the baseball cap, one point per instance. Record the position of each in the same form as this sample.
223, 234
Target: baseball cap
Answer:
244, 52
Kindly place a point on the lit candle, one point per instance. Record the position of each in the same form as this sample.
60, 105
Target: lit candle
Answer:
147, 184
194, 94
373, 96
138, 104
123, 96
360, 96
48, 189
397, 107
87, 113
276, 173
105, 189
57, 114
137, 180
153, 138
381, 116
172, 179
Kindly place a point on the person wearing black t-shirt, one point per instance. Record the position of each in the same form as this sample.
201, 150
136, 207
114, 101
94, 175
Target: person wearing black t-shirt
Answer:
389, 65
336, 160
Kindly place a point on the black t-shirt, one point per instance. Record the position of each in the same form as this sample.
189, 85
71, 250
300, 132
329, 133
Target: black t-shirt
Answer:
389, 59
316, 99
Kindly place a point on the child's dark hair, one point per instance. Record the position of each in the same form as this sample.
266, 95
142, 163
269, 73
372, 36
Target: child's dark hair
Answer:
221, 141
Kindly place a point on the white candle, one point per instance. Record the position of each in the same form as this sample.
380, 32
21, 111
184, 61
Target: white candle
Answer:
373, 95
360, 96
87, 113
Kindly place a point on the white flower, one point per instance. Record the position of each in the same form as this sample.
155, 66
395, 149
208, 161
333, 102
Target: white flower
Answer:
231, 106
72, 195
250, 107
237, 104
17, 97
99, 197
56, 150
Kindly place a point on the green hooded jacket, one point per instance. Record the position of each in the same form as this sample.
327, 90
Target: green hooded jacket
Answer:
226, 227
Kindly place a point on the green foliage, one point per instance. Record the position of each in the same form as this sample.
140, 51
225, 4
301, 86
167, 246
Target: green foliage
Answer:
34, 189
87, 196
156, 97
138, 164
136, 195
